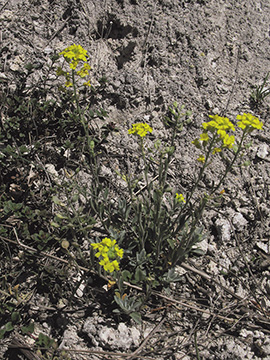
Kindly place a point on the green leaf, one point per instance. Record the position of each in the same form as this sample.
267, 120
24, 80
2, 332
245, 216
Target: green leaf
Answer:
141, 257
197, 251
75, 197
15, 317
2, 333
54, 224
57, 201
139, 275
246, 163
156, 196
28, 329
126, 275
248, 145
44, 340
9, 326
136, 317
23, 149
171, 242
60, 216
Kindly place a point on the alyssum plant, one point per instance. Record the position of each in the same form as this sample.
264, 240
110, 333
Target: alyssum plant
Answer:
156, 227
165, 225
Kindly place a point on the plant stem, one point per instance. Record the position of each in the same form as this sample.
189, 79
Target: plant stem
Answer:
81, 116
205, 164
230, 165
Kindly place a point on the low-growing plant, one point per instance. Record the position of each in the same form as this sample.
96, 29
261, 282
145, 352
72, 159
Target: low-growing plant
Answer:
156, 226
47, 348
163, 225
260, 92
12, 303
136, 236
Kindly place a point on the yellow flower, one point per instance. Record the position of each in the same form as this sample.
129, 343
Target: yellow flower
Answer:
73, 54
115, 265
110, 266
87, 83
108, 242
84, 70
248, 120
140, 129
74, 64
180, 198
197, 143
201, 159
228, 141
219, 123
204, 137
221, 133
68, 83
216, 150
119, 252
107, 250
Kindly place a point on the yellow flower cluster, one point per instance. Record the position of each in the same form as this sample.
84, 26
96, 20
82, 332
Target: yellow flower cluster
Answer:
84, 70
140, 129
201, 159
249, 121
219, 126
219, 123
73, 55
108, 250
180, 198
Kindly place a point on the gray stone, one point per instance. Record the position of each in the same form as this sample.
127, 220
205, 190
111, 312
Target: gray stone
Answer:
239, 222
262, 151
122, 337
224, 229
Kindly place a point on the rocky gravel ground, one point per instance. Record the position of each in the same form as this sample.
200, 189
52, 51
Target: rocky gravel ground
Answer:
208, 55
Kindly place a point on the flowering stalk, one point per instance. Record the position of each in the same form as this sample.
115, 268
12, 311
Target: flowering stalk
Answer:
74, 55
247, 123
215, 139
205, 164
218, 127
141, 130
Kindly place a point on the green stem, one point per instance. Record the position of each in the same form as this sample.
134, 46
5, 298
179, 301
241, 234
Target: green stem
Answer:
145, 170
230, 165
180, 221
163, 174
81, 116
205, 164
76, 96
196, 346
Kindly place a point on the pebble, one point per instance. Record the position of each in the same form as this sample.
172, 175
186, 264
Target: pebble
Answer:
239, 222
224, 229
262, 151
